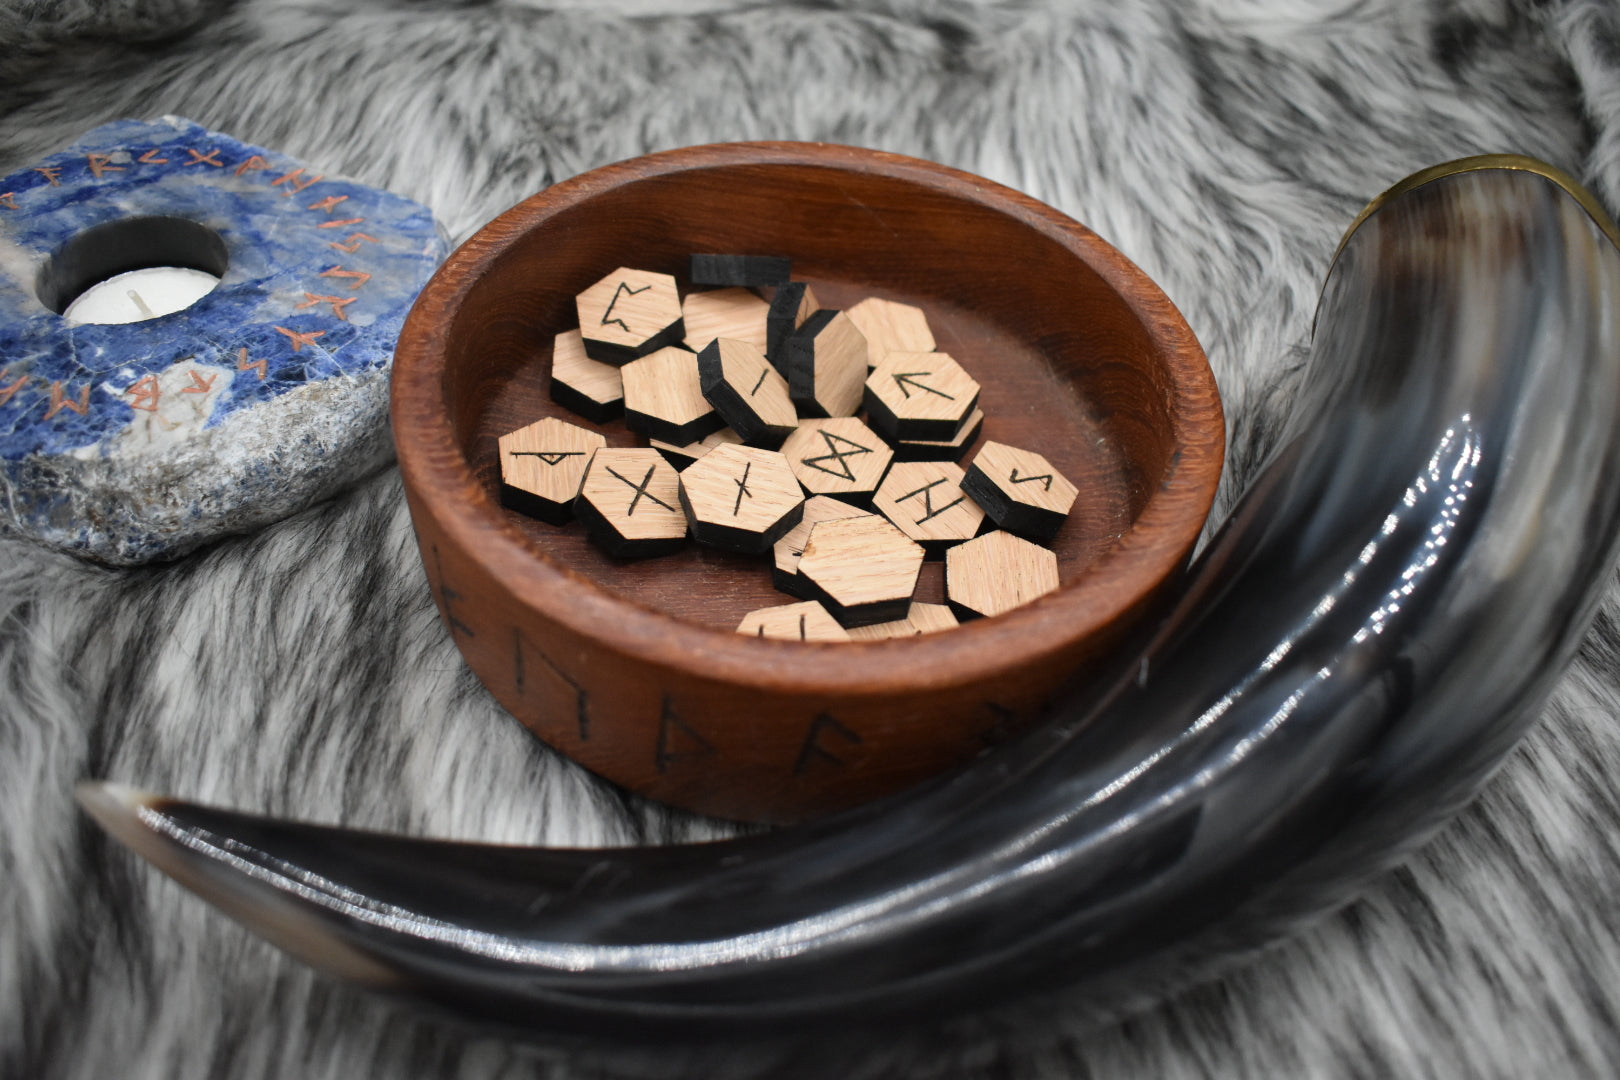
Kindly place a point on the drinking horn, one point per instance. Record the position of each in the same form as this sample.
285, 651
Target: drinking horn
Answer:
1379, 618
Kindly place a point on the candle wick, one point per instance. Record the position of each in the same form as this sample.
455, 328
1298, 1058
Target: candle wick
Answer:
146, 312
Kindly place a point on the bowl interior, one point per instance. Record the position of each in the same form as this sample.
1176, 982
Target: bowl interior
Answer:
1067, 363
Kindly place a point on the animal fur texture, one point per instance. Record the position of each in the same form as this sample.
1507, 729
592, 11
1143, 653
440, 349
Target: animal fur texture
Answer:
1224, 145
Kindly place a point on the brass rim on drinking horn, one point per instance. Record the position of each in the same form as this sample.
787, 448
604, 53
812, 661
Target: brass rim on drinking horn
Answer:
1358, 647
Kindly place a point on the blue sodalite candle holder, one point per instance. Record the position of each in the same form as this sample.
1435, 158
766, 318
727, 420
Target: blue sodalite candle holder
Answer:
132, 442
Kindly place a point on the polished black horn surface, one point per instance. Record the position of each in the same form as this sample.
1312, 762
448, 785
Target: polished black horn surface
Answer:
1361, 643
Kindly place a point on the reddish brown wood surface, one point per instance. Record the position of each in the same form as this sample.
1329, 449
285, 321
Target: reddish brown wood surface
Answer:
633, 668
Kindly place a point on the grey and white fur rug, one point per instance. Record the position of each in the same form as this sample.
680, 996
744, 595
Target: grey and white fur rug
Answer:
1224, 145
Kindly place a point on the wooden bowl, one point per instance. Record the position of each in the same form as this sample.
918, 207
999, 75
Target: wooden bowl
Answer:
634, 669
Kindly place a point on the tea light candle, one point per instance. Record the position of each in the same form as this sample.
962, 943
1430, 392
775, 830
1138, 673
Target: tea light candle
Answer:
138, 295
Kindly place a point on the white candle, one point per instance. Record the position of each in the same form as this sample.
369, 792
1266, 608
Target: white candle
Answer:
138, 295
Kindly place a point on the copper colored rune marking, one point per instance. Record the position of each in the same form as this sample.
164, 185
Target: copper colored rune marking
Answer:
252, 164
909, 378
151, 158
294, 184
51, 172
197, 385
622, 290
8, 199
1015, 478
340, 224
327, 203
640, 490
299, 340
742, 489
843, 471
352, 242
338, 303
9, 392
552, 457
812, 747
99, 164
59, 401
242, 363
147, 394
671, 727
358, 277
928, 500
210, 158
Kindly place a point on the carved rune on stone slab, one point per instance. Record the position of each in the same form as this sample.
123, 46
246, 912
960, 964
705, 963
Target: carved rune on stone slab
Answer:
839, 456
630, 502
996, 573
588, 387
542, 466
725, 313
1020, 491
890, 326
629, 313
663, 398
862, 569
826, 366
789, 549
741, 498
807, 621
746, 391
917, 396
925, 501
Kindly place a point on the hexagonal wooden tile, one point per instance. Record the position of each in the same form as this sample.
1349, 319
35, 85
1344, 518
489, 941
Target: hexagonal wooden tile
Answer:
542, 466
629, 313
916, 396
890, 326
996, 573
741, 498
1020, 491
663, 398
817, 508
724, 313
790, 307
863, 569
920, 619
826, 366
630, 501
683, 456
937, 450
839, 456
806, 621
746, 391
588, 387
925, 501
750, 270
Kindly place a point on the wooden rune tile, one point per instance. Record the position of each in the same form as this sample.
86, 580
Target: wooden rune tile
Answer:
826, 367
588, 387
996, 573
663, 398
920, 619
839, 456
629, 313
1020, 491
630, 502
724, 313
948, 450
741, 498
790, 307
863, 569
925, 501
749, 270
682, 456
890, 326
806, 621
542, 466
817, 508
917, 396
746, 391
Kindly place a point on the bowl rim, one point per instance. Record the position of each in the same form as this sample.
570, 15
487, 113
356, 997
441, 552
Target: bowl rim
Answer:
440, 478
